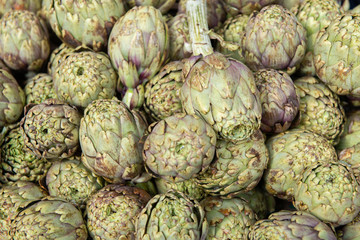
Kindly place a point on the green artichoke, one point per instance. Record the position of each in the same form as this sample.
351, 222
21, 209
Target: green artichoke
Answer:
12, 99
188, 187
163, 5
110, 139
314, 15
329, 191
73, 182
57, 55
8, 5
351, 156
17, 163
24, 40
51, 129
15, 197
49, 218
280, 102
162, 92
179, 147
274, 39
234, 7
172, 216
294, 225
89, 23
336, 55
39, 88
350, 136
351, 230
320, 109
112, 212
237, 167
138, 47
228, 218
82, 77
290, 153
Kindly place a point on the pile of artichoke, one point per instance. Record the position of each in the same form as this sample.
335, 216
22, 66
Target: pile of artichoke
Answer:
190, 119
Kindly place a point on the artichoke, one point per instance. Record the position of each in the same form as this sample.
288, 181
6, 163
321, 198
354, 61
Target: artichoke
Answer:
39, 88
8, 5
12, 99
188, 187
73, 182
336, 55
237, 167
17, 163
15, 197
350, 136
49, 218
3, 66
89, 23
57, 55
110, 137
351, 230
290, 153
138, 47
329, 191
24, 40
112, 211
320, 109
314, 15
274, 39
163, 5
280, 103
234, 7
172, 215
228, 218
351, 156
82, 77
179, 147
294, 225
162, 92
51, 129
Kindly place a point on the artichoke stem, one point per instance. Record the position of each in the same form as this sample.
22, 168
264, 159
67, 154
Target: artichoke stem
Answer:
198, 27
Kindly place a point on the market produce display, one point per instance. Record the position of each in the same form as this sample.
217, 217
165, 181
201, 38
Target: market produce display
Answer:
179, 120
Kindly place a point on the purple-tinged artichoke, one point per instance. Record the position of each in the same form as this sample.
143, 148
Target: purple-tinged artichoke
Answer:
234, 7
294, 225
179, 147
237, 167
350, 231
8, 5
138, 47
162, 92
280, 103
24, 40
112, 212
39, 88
163, 5
180, 45
110, 139
274, 38
290, 153
351, 135
51, 129
89, 23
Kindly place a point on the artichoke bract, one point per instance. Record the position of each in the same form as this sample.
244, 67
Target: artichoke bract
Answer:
39, 88
49, 218
320, 109
279, 100
290, 153
8, 5
237, 167
17, 163
162, 92
314, 15
330, 192
336, 55
51, 129
351, 156
83, 77
228, 218
163, 5
138, 47
179, 147
88, 23
15, 197
274, 38
351, 230
180, 46
24, 40
72, 181
234, 7
110, 139
112, 211
294, 225
188, 187
12, 99
350, 136
172, 215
